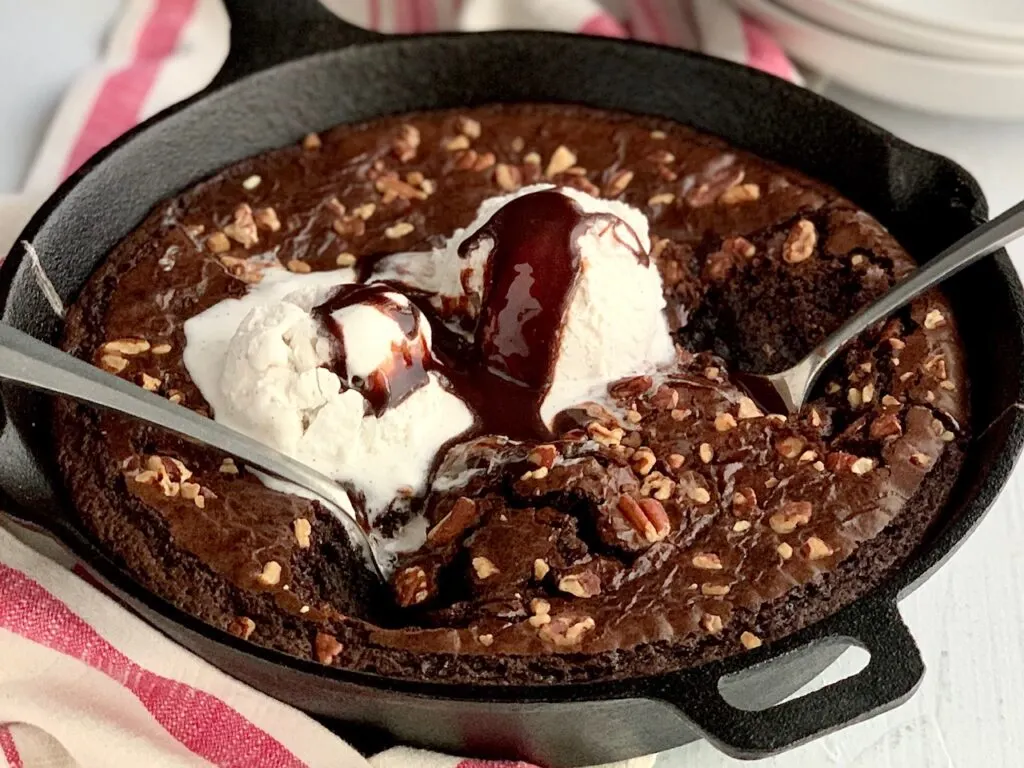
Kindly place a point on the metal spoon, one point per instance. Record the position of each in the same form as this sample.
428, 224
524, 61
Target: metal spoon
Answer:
788, 390
26, 360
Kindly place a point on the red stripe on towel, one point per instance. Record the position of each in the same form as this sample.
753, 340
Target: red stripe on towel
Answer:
9, 748
651, 24
121, 97
764, 53
603, 24
200, 721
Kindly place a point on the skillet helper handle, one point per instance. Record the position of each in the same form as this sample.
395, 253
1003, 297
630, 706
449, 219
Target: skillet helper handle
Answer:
265, 33
890, 678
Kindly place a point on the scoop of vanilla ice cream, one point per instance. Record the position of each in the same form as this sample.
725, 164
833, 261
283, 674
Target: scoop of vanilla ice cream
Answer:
274, 385
615, 325
371, 338
272, 380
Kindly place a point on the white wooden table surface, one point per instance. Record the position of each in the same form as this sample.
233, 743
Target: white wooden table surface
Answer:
968, 619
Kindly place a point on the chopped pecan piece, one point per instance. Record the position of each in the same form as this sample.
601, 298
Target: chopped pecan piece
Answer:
604, 436
113, 363
149, 383
267, 219
665, 398
744, 499
540, 569
618, 182
463, 515
584, 585
920, 459
712, 623
126, 347
303, 532
715, 183
741, 193
327, 648
707, 561
748, 409
750, 641
706, 452
839, 461
394, 187
630, 388
792, 514
566, 629
349, 226
719, 266
739, 246
698, 494
646, 517
243, 229
862, 466
242, 626
715, 590
399, 230
800, 243
643, 461
484, 568
411, 586
934, 319
816, 549
725, 421
658, 486
271, 574
408, 141
457, 143
886, 425
469, 126
562, 159
218, 243
508, 177
543, 456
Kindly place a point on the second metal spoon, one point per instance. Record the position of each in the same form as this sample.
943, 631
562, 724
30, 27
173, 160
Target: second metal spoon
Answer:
788, 390
26, 360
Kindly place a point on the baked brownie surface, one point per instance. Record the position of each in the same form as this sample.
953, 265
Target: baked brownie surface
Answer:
675, 525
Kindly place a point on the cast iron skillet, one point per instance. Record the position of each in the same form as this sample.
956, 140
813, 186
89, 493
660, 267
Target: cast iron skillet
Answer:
293, 68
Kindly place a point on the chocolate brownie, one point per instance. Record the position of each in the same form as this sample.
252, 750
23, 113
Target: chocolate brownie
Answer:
674, 523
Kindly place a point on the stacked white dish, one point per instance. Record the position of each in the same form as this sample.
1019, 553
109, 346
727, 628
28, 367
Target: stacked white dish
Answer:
958, 57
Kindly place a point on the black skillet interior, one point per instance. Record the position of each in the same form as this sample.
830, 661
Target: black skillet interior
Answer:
925, 200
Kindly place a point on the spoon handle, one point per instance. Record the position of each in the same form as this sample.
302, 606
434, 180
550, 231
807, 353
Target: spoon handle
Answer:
28, 361
967, 250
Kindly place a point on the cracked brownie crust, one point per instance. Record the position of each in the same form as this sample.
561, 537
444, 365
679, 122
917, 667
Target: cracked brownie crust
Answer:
674, 524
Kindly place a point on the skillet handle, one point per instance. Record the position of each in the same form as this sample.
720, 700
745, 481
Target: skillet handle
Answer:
269, 32
890, 678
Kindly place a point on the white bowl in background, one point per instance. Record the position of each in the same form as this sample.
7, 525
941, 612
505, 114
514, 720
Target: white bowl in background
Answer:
1000, 19
933, 84
862, 20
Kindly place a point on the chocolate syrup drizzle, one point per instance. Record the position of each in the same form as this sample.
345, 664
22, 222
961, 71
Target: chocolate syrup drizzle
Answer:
407, 370
505, 373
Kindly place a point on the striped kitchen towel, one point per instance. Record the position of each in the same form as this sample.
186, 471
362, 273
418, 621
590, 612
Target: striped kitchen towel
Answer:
84, 683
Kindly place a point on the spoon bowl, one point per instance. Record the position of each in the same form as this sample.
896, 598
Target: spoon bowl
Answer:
788, 390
